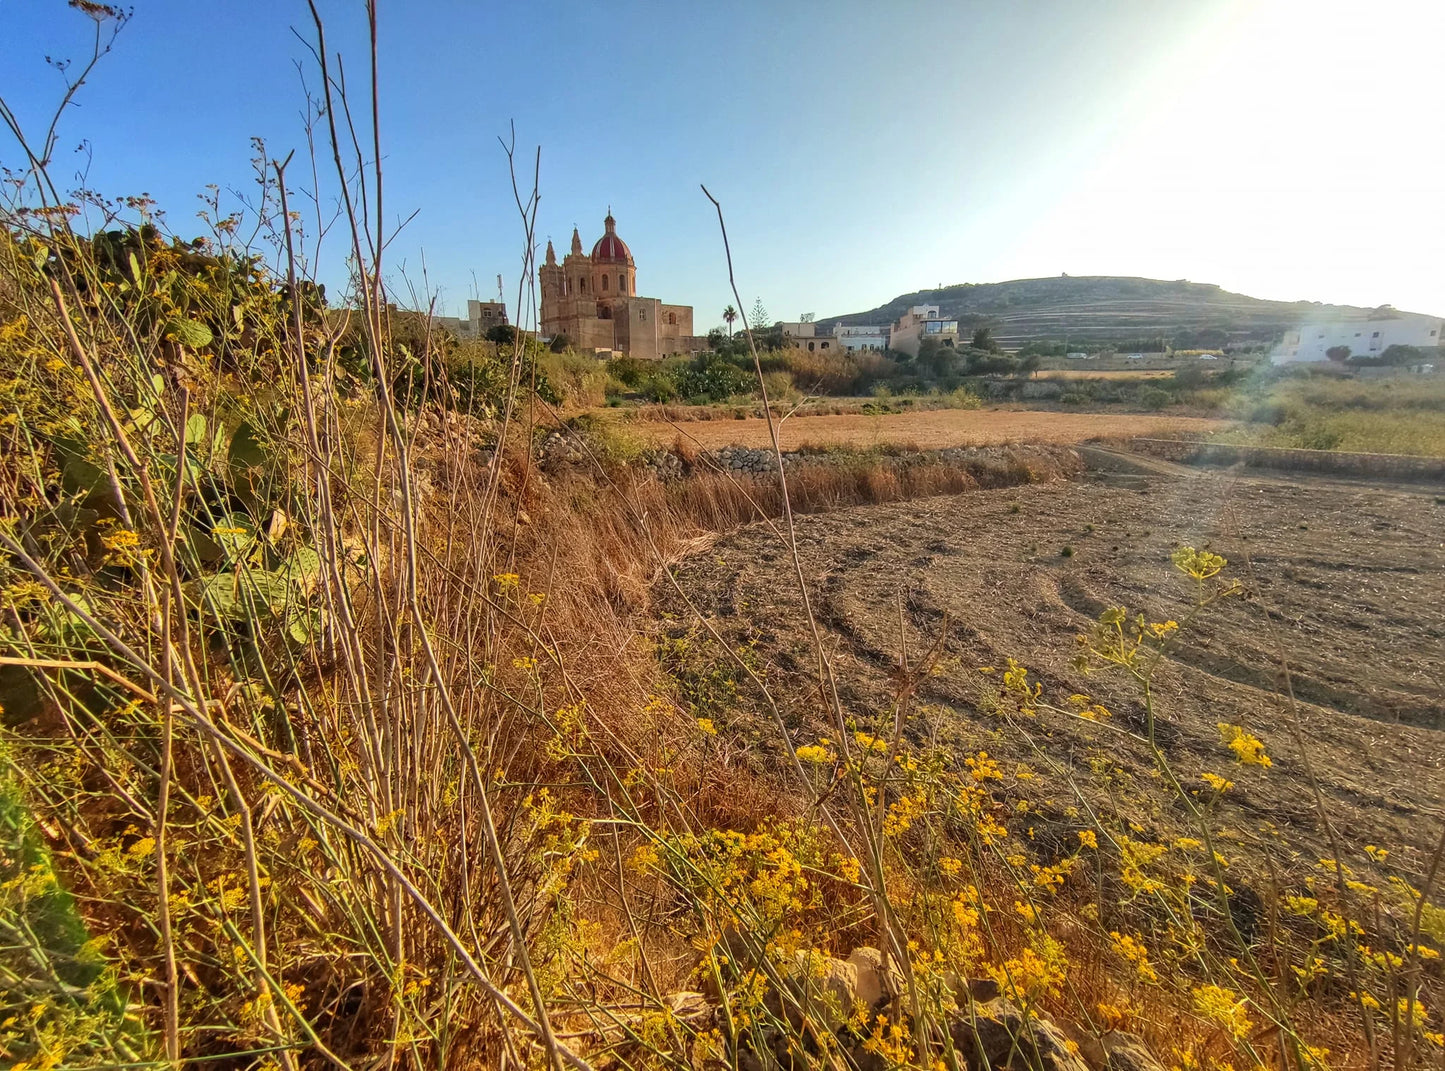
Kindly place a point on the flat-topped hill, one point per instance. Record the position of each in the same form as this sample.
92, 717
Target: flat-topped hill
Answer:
1112, 308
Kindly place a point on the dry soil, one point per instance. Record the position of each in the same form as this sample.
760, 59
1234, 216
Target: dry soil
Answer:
1343, 585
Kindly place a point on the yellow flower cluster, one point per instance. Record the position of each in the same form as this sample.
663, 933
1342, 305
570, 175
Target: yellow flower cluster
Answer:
903, 813
1224, 1008
889, 1041
1246, 746
1132, 949
1198, 564
815, 753
1037, 971
983, 768
869, 742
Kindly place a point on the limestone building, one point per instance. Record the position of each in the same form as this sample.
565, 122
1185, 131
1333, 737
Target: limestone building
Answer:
481, 317
918, 323
593, 300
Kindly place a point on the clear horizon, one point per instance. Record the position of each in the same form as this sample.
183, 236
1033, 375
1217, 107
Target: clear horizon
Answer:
1279, 149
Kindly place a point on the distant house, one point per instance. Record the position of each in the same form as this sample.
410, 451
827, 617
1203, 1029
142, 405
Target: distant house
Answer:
918, 323
860, 337
1311, 342
806, 335
482, 316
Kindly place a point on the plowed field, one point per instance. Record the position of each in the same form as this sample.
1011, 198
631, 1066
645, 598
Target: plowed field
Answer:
1342, 604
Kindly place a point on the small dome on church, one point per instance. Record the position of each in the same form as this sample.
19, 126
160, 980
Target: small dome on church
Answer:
611, 249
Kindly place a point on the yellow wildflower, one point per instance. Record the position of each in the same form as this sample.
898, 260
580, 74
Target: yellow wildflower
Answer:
1246, 746
1132, 949
869, 742
1224, 1008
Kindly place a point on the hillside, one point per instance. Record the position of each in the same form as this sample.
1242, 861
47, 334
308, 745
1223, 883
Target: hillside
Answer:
1110, 308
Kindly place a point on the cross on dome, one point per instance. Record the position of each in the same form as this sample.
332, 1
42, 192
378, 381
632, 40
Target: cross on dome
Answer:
610, 249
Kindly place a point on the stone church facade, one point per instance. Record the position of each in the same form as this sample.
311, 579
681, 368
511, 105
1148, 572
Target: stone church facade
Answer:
593, 300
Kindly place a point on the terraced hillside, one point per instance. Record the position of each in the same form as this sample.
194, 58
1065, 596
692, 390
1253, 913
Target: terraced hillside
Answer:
1111, 308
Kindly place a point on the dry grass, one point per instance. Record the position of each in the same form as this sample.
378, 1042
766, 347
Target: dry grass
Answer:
615, 538
935, 429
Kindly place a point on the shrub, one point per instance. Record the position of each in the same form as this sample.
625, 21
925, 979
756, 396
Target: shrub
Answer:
711, 378
779, 385
1154, 397
963, 398
577, 380
1187, 376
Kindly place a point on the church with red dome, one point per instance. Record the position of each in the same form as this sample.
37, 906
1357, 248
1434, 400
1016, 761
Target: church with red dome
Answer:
593, 300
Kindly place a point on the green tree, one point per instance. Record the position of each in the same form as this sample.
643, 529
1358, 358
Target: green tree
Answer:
983, 340
1397, 354
758, 317
730, 314
1338, 353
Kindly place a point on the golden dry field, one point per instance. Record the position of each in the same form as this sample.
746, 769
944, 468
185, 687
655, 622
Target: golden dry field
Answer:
1105, 373
933, 429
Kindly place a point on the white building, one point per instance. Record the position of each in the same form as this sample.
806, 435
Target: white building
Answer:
1365, 338
861, 337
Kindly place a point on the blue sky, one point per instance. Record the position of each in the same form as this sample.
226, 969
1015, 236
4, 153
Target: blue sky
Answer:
1283, 148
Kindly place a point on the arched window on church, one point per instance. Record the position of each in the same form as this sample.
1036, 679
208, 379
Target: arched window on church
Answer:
582, 285
622, 282
672, 319
604, 282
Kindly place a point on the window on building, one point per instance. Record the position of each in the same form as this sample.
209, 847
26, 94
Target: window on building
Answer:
641, 315
1375, 335
604, 282
622, 282
672, 319
810, 347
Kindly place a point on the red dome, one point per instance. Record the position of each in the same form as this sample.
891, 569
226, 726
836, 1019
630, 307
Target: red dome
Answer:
611, 249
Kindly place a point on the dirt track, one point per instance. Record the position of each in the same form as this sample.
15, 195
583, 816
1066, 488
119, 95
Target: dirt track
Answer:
1345, 580
932, 429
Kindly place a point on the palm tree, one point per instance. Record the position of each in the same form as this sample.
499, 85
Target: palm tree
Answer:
730, 314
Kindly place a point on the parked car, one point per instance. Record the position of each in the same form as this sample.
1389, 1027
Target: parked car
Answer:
1134, 356
1209, 356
